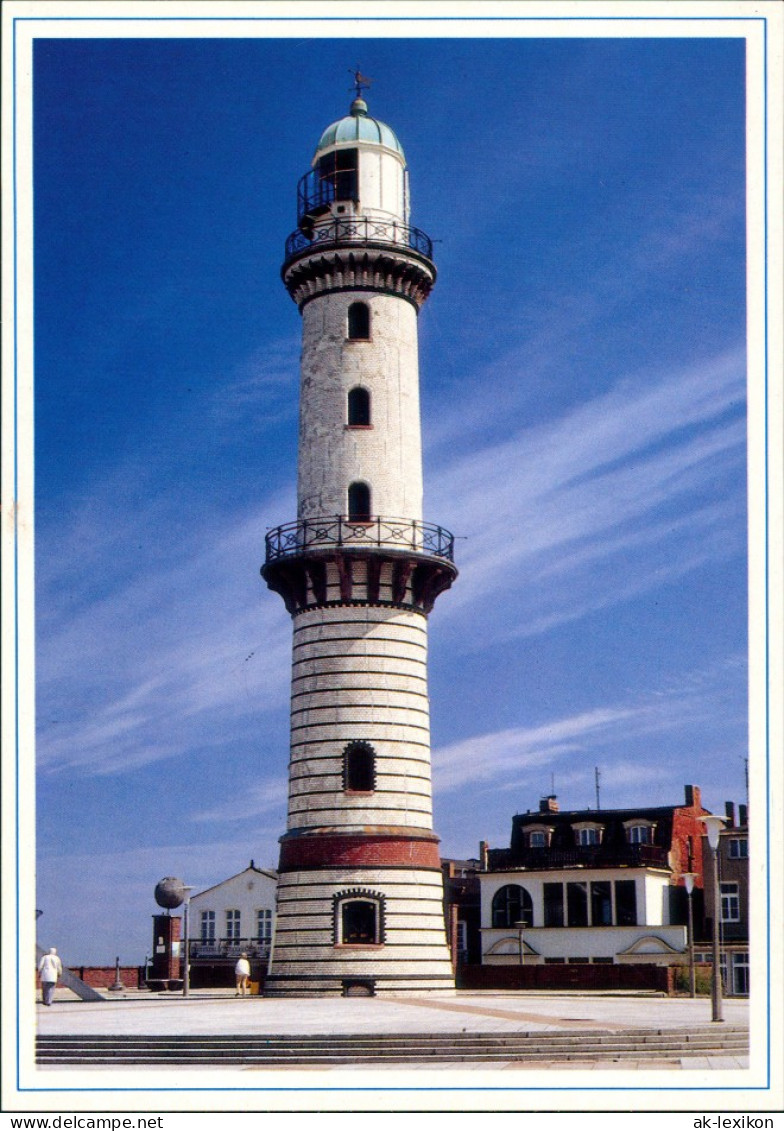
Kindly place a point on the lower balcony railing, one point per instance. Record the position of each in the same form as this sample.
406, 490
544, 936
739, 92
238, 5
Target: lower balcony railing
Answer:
216, 949
337, 531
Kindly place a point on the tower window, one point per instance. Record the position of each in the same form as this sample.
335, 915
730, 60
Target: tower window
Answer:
358, 407
358, 321
359, 502
359, 768
512, 904
358, 918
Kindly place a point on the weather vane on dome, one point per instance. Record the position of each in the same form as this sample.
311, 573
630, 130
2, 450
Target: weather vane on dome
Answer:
360, 81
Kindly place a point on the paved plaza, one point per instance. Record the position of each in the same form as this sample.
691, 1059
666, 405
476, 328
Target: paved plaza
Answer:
219, 1013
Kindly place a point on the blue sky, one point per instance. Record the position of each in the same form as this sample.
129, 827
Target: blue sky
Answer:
583, 386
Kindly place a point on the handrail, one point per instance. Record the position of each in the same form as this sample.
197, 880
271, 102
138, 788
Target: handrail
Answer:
338, 531
363, 230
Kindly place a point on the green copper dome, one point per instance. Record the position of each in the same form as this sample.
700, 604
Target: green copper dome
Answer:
359, 126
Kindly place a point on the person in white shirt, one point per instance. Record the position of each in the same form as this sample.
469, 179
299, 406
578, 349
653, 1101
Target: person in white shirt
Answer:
241, 974
49, 970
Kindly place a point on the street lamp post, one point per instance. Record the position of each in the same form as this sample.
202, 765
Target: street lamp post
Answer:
713, 826
521, 924
688, 882
186, 978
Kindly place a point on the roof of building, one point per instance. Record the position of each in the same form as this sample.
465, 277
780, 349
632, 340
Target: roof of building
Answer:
358, 125
271, 875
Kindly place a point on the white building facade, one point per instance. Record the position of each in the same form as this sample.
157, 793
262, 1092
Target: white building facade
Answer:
232, 917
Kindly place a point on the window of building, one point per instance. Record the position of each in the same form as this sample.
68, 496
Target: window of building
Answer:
588, 836
603, 961
640, 834
358, 918
233, 930
358, 322
359, 768
730, 903
553, 905
577, 904
264, 926
740, 974
337, 174
359, 502
601, 903
512, 905
626, 903
555, 961
208, 926
462, 940
358, 407
739, 848
537, 839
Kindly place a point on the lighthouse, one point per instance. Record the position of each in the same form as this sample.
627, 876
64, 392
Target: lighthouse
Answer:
360, 897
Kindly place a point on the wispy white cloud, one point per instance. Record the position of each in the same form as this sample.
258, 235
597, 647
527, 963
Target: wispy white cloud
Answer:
622, 493
264, 797
507, 759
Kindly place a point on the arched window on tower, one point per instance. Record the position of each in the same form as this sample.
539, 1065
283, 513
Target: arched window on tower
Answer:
512, 905
358, 322
358, 407
359, 768
359, 502
358, 918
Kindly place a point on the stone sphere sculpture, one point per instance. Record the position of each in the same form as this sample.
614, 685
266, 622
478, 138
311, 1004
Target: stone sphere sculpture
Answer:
169, 892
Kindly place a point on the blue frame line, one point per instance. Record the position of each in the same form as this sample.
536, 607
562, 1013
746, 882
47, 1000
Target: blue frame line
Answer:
766, 424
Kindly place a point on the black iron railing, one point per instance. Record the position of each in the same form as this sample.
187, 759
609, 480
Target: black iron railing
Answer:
589, 856
337, 531
362, 230
228, 948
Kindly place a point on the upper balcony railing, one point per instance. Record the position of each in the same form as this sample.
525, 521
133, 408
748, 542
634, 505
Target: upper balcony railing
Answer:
587, 856
336, 532
362, 230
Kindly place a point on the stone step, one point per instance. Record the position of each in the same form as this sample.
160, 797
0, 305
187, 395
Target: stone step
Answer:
395, 1048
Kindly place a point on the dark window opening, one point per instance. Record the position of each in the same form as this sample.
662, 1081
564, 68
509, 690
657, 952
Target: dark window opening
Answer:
359, 767
359, 502
337, 174
359, 922
577, 904
358, 407
358, 321
553, 905
512, 905
601, 904
626, 903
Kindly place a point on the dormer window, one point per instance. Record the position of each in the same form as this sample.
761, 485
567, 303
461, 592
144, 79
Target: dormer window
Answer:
538, 836
639, 831
588, 834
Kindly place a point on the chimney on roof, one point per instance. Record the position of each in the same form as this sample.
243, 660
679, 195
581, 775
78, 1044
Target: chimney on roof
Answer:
729, 809
549, 804
483, 855
743, 816
693, 797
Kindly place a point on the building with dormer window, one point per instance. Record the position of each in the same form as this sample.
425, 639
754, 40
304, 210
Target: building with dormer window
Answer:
593, 886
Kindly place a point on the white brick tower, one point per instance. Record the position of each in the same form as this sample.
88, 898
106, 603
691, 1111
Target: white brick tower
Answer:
360, 890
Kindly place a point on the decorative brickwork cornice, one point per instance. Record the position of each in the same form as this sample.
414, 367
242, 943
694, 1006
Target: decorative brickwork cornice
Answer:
388, 269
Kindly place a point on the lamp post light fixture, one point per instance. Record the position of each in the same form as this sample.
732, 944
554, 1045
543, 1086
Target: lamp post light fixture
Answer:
688, 883
713, 826
186, 977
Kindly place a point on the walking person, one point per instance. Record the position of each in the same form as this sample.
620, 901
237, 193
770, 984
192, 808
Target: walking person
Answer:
49, 970
241, 974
